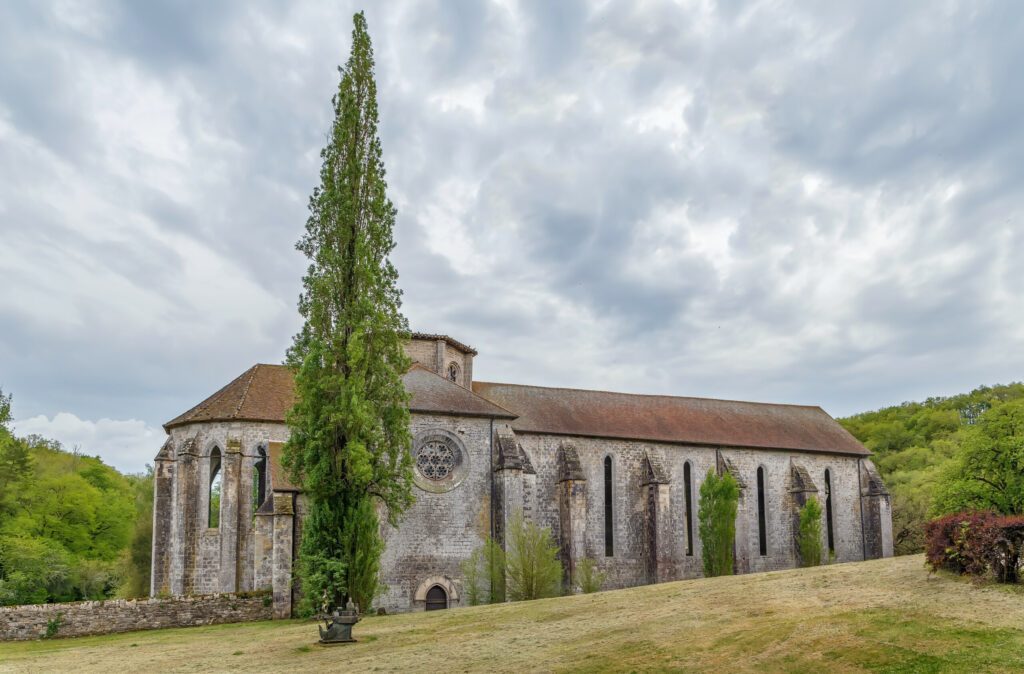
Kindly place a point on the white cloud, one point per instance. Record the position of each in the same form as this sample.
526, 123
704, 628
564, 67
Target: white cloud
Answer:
127, 445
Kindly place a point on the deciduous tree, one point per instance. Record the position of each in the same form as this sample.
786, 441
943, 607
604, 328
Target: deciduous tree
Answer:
350, 423
534, 571
987, 472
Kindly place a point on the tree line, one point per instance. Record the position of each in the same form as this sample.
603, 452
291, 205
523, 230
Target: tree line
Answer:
947, 455
71, 527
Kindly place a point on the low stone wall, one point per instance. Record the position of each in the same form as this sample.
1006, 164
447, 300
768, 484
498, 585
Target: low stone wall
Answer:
20, 623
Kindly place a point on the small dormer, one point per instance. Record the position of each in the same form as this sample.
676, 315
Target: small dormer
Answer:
445, 356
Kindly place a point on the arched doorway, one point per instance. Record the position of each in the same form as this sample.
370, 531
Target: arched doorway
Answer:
437, 598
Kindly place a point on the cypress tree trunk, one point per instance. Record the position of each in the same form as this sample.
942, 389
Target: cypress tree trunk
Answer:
350, 423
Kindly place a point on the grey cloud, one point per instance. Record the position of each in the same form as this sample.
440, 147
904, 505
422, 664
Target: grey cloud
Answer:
853, 170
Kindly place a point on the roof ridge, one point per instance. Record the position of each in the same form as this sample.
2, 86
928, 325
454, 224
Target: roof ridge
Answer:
245, 391
451, 340
649, 395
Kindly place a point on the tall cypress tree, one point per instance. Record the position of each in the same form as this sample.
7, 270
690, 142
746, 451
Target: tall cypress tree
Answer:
350, 423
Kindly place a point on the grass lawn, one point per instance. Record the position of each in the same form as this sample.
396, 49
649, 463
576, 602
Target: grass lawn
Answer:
885, 615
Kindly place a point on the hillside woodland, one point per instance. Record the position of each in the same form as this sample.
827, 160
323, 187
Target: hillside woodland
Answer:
947, 455
71, 527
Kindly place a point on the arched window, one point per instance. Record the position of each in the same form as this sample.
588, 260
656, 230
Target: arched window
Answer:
259, 479
828, 511
762, 531
437, 598
688, 508
609, 546
213, 514
453, 372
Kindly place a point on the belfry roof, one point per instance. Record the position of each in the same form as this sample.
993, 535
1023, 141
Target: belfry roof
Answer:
267, 392
465, 348
695, 421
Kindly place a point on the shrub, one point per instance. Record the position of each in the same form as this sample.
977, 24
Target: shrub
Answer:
976, 544
719, 499
534, 571
589, 578
53, 626
473, 573
810, 533
960, 542
484, 572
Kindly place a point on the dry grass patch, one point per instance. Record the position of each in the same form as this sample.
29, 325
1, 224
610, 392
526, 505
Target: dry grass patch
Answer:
886, 616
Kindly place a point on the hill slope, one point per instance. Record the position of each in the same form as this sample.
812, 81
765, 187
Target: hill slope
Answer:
914, 446
885, 615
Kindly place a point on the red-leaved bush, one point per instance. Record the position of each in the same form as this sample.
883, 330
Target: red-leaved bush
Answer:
977, 544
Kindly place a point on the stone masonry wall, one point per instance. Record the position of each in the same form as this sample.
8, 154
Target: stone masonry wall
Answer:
20, 623
440, 529
199, 559
424, 352
629, 564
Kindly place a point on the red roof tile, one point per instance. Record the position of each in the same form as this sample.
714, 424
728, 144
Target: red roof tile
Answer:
699, 421
267, 392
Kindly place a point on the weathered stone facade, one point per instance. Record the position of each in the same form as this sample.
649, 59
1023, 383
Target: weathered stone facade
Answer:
485, 452
77, 619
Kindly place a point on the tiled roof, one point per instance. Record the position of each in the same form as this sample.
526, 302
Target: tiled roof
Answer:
454, 342
261, 393
431, 392
266, 393
699, 421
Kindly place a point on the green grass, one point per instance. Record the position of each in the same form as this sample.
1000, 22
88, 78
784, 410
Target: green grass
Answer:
881, 616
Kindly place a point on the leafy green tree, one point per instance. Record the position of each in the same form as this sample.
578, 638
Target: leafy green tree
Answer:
915, 445
533, 569
716, 515
350, 423
484, 574
213, 512
138, 556
361, 534
15, 461
987, 472
5, 410
809, 537
34, 570
473, 571
70, 522
495, 565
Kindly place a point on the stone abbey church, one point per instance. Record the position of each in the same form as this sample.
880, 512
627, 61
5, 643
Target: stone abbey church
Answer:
615, 476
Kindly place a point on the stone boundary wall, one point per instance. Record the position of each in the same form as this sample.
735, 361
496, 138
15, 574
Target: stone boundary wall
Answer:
21, 623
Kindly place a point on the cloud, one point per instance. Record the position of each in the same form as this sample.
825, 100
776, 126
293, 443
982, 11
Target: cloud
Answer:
777, 201
125, 444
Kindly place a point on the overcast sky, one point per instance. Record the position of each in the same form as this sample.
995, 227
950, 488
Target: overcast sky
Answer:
786, 202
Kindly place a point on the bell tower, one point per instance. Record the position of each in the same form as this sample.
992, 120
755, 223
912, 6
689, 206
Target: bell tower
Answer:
443, 355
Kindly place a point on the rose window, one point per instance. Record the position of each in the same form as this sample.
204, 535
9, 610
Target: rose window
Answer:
435, 460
